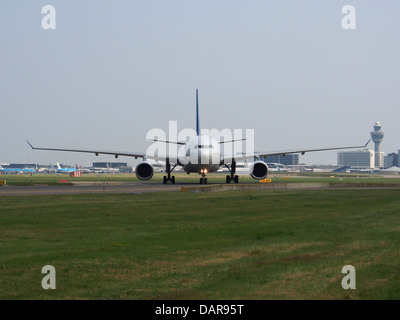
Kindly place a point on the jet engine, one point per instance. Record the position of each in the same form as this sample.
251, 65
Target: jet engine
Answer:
144, 171
259, 170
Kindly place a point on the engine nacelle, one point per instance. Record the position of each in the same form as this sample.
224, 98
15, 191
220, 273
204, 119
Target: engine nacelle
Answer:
144, 171
259, 170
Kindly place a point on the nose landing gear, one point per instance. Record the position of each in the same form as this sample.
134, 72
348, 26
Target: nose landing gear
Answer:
203, 179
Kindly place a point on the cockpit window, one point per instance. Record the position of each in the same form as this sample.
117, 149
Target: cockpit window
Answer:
203, 146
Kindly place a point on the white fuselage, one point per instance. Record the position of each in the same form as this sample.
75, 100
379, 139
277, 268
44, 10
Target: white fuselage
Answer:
200, 153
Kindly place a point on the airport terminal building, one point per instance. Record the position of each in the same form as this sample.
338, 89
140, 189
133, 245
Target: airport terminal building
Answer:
287, 160
360, 159
365, 159
369, 159
391, 160
116, 165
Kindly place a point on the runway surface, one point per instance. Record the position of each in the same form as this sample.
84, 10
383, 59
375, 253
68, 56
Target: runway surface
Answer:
88, 188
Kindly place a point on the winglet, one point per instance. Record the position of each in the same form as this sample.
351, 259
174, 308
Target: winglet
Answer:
367, 142
30, 144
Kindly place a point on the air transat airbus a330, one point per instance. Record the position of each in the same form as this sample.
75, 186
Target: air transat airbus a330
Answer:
192, 154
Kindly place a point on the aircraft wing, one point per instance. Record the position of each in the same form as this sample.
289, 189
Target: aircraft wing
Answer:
116, 154
244, 156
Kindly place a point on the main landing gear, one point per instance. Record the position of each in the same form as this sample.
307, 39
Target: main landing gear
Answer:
232, 177
169, 178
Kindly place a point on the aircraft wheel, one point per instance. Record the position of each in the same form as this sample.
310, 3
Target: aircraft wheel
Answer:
201, 180
205, 180
173, 180
228, 179
236, 179
164, 179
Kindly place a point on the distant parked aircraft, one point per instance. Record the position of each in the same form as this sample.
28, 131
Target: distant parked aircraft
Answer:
64, 170
17, 170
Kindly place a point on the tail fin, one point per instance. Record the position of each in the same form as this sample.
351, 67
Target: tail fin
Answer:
197, 113
58, 166
1, 168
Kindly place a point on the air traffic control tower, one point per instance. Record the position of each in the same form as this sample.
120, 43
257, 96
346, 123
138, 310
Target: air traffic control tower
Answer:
377, 137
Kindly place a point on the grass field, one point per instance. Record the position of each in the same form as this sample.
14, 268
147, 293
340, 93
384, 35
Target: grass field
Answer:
237, 245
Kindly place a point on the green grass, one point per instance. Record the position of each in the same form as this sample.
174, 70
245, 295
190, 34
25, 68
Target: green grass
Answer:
237, 245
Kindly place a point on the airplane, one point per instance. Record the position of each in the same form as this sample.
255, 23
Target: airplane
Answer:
17, 170
83, 170
278, 167
48, 169
110, 170
199, 147
64, 170
98, 170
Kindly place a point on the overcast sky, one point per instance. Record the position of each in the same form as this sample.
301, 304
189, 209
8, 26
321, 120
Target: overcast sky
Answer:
112, 70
